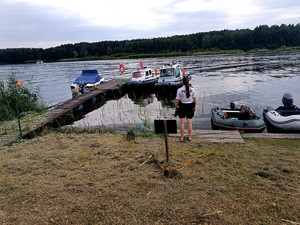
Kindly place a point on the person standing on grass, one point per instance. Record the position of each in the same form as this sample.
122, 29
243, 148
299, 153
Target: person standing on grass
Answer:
186, 100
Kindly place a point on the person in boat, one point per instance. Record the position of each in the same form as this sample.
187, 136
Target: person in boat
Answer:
287, 101
185, 106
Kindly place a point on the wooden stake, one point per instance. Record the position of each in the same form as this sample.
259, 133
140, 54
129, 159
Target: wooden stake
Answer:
166, 141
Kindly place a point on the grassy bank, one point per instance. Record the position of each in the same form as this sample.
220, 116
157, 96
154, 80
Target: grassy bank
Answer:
93, 178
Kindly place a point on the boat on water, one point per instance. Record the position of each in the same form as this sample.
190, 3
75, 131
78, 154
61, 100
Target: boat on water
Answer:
88, 80
243, 119
284, 119
171, 75
143, 76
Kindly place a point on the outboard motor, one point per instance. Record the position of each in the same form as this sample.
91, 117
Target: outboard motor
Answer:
232, 105
287, 100
81, 86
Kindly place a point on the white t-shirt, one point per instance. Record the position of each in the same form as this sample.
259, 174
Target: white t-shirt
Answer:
181, 95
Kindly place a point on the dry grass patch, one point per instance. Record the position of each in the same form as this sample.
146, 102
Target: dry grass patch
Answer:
99, 179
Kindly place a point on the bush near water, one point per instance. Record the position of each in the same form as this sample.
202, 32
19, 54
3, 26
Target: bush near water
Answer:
11, 95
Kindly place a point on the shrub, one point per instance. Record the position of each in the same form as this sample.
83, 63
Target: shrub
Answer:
11, 95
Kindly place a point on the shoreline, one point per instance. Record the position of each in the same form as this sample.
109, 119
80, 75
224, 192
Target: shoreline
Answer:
169, 54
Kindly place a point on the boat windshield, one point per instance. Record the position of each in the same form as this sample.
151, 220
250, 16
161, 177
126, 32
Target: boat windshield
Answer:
148, 73
177, 71
166, 72
136, 74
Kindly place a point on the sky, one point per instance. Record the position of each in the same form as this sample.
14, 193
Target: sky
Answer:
51, 23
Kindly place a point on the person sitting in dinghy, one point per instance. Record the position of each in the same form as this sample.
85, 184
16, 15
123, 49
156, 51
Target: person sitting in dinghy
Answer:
287, 101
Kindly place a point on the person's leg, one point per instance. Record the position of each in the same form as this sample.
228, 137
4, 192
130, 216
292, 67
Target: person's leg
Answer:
182, 122
190, 128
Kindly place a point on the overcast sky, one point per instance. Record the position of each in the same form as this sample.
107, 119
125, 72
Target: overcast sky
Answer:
50, 23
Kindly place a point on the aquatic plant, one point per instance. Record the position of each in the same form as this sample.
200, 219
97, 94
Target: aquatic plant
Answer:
12, 95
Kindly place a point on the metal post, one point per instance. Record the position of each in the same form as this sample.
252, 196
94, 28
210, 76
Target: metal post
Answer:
18, 114
166, 141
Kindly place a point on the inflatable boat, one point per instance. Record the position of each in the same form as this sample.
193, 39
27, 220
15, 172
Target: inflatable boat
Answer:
243, 119
284, 119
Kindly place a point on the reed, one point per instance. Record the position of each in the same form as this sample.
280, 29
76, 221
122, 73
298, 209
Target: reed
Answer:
12, 95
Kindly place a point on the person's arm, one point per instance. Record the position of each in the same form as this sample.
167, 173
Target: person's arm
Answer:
177, 99
176, 104
195, 100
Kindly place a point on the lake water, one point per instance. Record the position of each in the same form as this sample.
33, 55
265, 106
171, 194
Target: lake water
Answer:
257, 80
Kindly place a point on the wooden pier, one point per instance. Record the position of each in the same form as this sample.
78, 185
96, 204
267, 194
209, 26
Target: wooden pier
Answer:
73, 109
216, 136
76, 108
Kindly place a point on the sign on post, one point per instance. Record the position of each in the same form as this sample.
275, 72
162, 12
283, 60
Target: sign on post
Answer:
166, 127
171, 126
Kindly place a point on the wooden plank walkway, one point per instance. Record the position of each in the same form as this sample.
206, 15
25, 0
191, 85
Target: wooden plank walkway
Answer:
272, 135
8, 138
216, 136
64, 108
67, 106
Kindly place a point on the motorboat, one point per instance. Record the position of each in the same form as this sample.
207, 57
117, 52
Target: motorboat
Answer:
171, 75
88, 80
143, 76
284, 119
243, 118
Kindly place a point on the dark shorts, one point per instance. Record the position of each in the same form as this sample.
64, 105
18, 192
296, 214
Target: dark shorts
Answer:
186, 110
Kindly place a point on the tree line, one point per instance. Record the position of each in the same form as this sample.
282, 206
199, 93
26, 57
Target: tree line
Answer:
262, 37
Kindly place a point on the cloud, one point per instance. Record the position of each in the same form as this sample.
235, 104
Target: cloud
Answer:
115, 13
22, 25
46, 23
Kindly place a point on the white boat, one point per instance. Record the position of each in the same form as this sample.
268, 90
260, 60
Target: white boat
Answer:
171, 76
278, 121
285, 119
88, 80
143, 76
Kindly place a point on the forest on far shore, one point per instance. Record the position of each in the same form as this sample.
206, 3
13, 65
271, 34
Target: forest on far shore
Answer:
262, 37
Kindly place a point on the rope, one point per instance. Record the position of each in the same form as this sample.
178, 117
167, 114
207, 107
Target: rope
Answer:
193, 160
